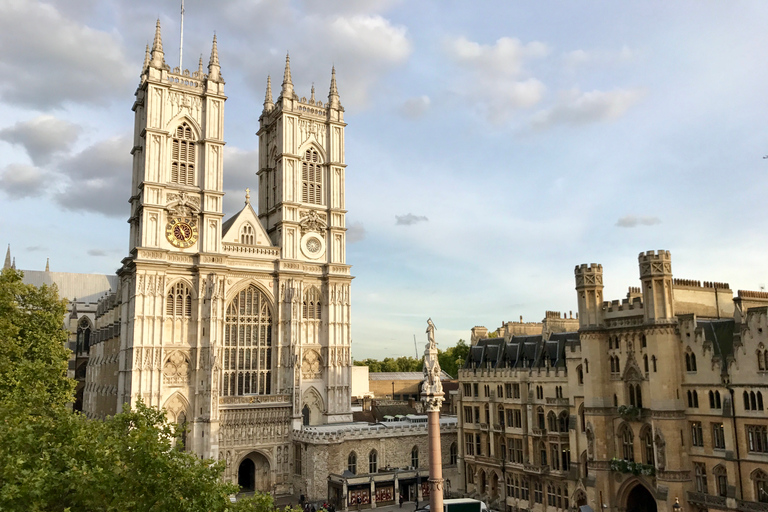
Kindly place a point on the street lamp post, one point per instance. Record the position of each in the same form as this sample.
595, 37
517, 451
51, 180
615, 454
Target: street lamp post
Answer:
676, 506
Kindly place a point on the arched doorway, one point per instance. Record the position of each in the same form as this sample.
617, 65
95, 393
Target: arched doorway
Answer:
482, 482
253, 473
246, 475
494, 485
640, 499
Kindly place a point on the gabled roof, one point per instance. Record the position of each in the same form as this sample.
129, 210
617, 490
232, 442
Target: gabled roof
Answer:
230, 230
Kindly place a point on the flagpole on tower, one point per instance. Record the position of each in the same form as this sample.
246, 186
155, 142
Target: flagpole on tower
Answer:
181, 37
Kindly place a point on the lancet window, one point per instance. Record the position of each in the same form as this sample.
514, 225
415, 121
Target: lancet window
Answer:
248, 345
312, 178
183, 156
178, 303
312, 306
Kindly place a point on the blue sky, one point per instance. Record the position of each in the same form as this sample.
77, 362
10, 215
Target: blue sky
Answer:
492, 146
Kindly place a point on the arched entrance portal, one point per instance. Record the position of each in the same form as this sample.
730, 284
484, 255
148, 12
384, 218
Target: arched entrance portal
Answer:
253, 473
640, 500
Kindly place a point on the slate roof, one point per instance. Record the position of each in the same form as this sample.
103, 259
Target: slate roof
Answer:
520, 351
83, 287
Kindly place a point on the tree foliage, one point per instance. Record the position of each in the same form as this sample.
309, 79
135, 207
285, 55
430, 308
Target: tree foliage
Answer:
52, 459
33, 356
450, 361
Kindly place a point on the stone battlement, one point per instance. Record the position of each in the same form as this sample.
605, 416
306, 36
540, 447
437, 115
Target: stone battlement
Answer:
369, 431
649, 256
624, 304
749, 294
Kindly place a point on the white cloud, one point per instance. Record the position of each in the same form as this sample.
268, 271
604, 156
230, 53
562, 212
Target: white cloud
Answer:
415, 107
355, 232
51, 60
42, 137
495, 76
579, 108
505, 57
580, 59
409, 219
21, 180
240, 167
632, 221
97, 178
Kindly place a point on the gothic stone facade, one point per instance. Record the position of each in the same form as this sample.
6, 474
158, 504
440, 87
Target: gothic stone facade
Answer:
240, 329
655, 397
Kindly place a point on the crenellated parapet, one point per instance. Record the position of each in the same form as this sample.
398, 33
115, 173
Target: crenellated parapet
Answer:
589, 289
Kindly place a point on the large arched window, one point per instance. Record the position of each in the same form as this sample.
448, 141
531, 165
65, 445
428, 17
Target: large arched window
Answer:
311, 178
183, 156
415, 457
627, 443
312, 306
373, 462
248, 344
352, 463
562, 421
178, 303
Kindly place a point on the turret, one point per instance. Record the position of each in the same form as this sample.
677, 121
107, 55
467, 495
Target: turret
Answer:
333, 94
656, 278
214, 70
157, 57
589, 288
287, 90
268, 103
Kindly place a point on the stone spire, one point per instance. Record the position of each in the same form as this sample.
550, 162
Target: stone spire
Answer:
146, 61
312, 97
200, 67
333, 95
214, 70
47, 264
287, 91
158, 57
7, 263
268, 103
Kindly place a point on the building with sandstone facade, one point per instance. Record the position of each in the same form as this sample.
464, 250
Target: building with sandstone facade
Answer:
239, 328
634, 404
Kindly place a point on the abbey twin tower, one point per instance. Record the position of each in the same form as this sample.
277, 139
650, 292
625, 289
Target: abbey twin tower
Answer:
240, 329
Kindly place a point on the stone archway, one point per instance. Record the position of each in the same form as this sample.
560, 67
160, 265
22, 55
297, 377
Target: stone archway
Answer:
253, 473
494, 492
640, 499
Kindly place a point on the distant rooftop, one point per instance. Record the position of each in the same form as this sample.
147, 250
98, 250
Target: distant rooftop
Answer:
83, 287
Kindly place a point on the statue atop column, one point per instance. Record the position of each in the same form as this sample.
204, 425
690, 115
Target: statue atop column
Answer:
432, 390
432, 396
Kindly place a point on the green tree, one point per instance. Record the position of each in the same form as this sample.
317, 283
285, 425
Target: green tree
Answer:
33, 354
52, 459
453, 358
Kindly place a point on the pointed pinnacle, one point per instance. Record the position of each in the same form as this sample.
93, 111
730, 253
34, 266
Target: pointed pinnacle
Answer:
158, 58
213, 65
268, 104
7, 263
312, 97
47, 264
157, 44
146, 59
214, 53
287, 73
200, 65
333, 95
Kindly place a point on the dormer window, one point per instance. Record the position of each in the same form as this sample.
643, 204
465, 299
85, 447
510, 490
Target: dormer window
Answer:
183, 156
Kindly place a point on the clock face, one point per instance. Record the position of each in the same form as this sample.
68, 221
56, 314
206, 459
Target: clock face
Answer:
181, 232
